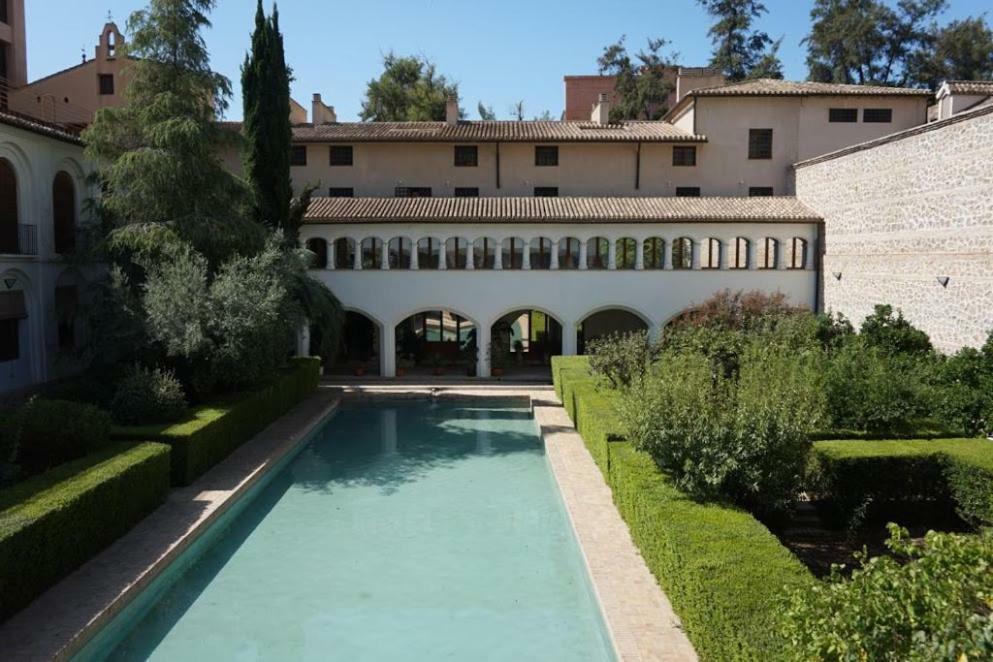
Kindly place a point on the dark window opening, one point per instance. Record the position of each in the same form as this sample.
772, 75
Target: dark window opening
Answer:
4, 17
106, 84
341, 155
878, 115
298, 155
466, 156
412, 192
843, 115
760, 143
546, 155
759, 191
684, 155
466, 192
546, 191
10, 340
64, 213
687, 191
66, 304
341, 192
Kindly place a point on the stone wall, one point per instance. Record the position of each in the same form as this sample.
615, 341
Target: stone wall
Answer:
904, 213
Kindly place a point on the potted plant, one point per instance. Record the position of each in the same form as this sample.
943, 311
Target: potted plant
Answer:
358, 368
404, 363
519, 350
438, 364
498, 360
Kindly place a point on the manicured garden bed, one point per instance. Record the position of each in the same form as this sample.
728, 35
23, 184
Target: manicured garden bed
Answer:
211, 432
724, 572
54, 522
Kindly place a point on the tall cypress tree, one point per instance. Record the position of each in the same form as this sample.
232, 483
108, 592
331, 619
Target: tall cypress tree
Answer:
265, 81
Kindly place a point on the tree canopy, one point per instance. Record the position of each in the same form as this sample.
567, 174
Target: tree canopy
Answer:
409, 89
739, 51
643, 82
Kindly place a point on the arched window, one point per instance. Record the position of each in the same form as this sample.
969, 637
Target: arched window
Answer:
8, 208
654, 253
372, 253
456, 253
319, 248
712, 257
513, 253
428, 253
626, 257
770, 253
64, 213
484, 253
399, 252
682, 253
66, 307
597, 253
739, 258
568, 253
541, 253
344, 253
798, 253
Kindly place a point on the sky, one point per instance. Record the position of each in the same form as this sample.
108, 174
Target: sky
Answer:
498, 53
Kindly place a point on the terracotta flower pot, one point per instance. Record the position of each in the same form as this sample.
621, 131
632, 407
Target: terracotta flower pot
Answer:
497, 372
438, 372
401, 372
359, 370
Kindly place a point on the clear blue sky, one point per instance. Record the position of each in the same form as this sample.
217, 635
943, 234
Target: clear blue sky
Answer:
498, 53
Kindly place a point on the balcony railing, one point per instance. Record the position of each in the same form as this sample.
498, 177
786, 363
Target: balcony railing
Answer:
19, 239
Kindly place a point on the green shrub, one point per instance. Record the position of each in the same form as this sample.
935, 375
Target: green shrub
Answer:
743, 437
148, 395
723, 571
893, 335
932, 602
213, 431
964, 391
52, 523
734, 311
50, 432
620, 358
875, 479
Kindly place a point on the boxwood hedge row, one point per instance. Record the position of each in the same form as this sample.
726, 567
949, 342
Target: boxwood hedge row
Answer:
724, 572
213, 431
54, 522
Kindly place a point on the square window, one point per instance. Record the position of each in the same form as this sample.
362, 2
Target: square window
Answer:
466, 192
759, 191
298, 155
687, 191
877, 115
106, 84
341, 155
684, 155
412, 192
546, 155
341, 192
760, 143
843, 115
466, 156
546, 191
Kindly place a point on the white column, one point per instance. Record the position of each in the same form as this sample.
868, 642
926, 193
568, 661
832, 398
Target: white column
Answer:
470, 257
413, 256
526, 257
331, 254
555, 255
611, 254
582, 254
303, 340
442, 256
498, 255
639, 255
384, 263
357, 255
569, 330
483, 358
388, 351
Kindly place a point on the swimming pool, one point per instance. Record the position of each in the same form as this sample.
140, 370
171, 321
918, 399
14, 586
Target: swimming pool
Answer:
400, 531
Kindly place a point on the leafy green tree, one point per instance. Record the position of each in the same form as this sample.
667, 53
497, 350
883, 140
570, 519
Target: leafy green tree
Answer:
485, 112
265, 81
643, 83
409, 89
739, 51
158, 153
962, 50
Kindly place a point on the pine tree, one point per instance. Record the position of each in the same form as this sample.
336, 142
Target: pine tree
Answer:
739, 50
408, 90
268, 136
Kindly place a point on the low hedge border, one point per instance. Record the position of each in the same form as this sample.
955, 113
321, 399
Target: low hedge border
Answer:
54, 522
873, 478
724, 572
213, 431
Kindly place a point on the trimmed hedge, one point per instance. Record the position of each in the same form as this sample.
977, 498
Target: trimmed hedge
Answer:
724, 572
875, 477
213, 431
54, 522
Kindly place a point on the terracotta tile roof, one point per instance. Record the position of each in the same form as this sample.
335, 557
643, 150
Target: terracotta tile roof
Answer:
970, 86
556, 210
497, 131
43, 128
776, 88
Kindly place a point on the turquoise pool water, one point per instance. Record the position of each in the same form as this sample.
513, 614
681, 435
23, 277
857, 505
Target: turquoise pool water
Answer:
404, 531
